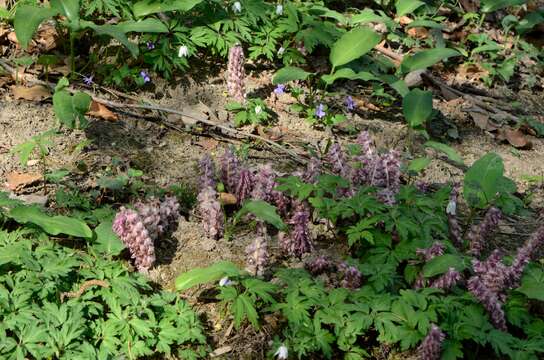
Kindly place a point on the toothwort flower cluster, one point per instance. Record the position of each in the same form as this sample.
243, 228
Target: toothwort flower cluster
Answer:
236, 74
351, 276
319, 265
448, 280
213, 219
257, 255
431, 347
139, 228
480, 232
230, 171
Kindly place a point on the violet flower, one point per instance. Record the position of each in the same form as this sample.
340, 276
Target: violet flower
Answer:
350, 104
150, 45
236, 73
145, 76
280, 89
320, 111
88, 80
479, 233
431, 347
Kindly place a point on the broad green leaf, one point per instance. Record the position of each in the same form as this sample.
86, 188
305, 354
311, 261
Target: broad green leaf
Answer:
27, 19
147, 7
326, 12
114, 31
416, 165
107, 242
144, 26
417, 107
441, 264
347, 73
68, 8
425, 23
532, 283
205, 275
289, 73
369, 16
448, 150
530, 21
53, 225
70, 109
426, 58
407, 6
481, 182
494, 5
264, 211
352, 45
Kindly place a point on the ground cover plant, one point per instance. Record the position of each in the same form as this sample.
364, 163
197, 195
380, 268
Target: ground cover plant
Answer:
271, 179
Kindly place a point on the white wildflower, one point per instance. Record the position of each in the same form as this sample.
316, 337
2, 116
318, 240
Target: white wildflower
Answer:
183, 51
225, 282
258, 109
279, 9
282, 352
281, 51
451, 208
237, 7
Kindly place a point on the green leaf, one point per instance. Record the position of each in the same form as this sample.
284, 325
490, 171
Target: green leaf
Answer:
417, 165
27, 19
425, 23
53, 225
264, 211
448, 150
441, 264
481, 182
205, 275
417, 107
24, 151
347, 73
532, 283
289, 73
107, 242
352, 45
494, 5
114, 31
147, 7
144, 26
426, 58
407, 6
71, 109
68, 8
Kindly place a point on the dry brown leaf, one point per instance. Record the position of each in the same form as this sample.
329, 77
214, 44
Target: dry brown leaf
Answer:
483, 121
405, 20
515, 137
361, 103
45, 39
208, 144
418, 32
17, 181
99, 110
227, 199
275, 133
34, 93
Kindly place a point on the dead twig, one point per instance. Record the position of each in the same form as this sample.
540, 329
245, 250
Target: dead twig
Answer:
87, 284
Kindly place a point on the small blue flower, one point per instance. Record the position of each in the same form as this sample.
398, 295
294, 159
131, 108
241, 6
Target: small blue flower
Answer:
150, 45
280, 89
145, 76
88, 80
350, 104
320, 112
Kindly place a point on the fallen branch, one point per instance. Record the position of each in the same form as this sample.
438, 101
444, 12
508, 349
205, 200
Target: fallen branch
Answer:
154, 107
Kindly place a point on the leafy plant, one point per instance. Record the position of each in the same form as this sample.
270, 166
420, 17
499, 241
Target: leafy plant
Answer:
254, 111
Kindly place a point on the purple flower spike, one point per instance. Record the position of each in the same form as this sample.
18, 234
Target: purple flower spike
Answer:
213, 218
88, 80
320, 112
437, 249
150, 45
245, 185
350, 104
230, 170
298, 241
145, 76
280, 89
489, 300
479, 233
207, 171
351, 276
319, 265
431, 347
448, 280
236, 74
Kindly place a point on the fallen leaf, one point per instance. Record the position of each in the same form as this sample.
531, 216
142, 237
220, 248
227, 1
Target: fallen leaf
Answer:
17, 181
227, 199
99, 110
361, 103
208, 144
515, 137
483, 121
418, 32
221, 351
275, 133
34, 93
30, 199
405, 20
45, 39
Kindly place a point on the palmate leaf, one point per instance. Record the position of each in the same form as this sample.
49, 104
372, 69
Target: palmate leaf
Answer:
532, 283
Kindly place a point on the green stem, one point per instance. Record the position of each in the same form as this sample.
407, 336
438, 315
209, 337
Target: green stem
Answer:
72, 56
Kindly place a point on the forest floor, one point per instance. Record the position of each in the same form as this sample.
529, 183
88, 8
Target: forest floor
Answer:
169, 157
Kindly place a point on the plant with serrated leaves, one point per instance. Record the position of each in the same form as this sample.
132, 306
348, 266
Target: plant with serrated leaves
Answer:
253, 111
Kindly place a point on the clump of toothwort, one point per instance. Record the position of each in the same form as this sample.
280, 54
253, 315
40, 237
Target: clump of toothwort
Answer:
213, 219
236, 74
140, 227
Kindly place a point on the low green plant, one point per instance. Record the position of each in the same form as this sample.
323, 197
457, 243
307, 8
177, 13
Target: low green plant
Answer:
254, 111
